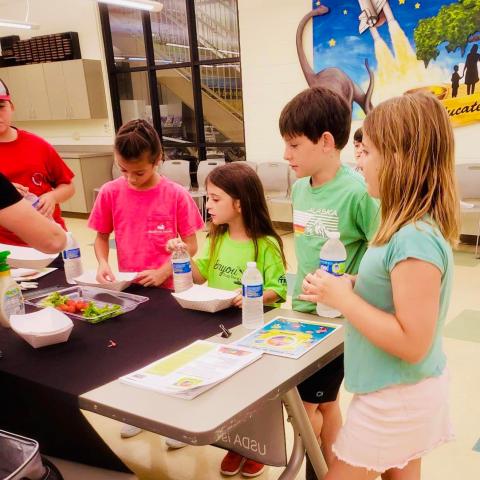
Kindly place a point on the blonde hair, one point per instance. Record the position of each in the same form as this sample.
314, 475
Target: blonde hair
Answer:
415, 140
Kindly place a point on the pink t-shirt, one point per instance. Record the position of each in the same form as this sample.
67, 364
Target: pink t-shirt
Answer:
143, 221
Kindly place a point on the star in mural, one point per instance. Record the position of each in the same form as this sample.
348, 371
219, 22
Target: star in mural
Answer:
318, 4
417, 5
332, 42
345, 12
401, 2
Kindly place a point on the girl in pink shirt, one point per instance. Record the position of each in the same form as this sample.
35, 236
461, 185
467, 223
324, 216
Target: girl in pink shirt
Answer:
143, 209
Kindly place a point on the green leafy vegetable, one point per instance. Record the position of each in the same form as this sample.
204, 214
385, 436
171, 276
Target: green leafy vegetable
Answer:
54, 300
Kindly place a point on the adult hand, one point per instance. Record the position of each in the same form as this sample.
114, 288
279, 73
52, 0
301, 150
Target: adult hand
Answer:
152, 278
104, 273
22, 190
46, 204
322, 287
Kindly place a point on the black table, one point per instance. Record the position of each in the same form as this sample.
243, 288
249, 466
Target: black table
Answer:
40, 388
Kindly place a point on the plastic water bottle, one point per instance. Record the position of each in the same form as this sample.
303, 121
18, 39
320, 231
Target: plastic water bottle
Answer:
11, 298
182, 270
33, 199
252, 293
333, 257
72, 259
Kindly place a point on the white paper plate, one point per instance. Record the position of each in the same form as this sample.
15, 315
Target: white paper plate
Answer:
45, 327
205, 299
122, 280
26, 257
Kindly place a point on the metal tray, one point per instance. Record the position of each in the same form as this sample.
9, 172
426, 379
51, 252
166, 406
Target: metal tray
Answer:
99, 296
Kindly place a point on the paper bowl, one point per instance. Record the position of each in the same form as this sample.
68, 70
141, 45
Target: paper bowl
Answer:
26, 257
45, 327
122, 280
205, 299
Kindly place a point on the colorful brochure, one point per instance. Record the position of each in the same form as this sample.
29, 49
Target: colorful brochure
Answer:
193, 369
288, 337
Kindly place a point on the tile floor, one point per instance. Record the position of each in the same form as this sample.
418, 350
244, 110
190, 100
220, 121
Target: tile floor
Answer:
148, 457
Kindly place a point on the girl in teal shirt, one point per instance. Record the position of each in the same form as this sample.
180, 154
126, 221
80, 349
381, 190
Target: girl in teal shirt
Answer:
396, 306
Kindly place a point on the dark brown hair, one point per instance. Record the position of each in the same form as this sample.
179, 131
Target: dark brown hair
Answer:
314, 112
137, 137
241, 182
358, 135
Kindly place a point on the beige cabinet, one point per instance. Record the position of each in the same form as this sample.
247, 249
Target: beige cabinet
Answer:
29, 92
70, 90
75, 89
91, 171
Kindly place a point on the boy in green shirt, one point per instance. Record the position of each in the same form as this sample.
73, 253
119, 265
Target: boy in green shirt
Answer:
328, 196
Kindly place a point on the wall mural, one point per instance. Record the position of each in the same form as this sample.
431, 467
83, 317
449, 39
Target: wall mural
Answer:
371, 50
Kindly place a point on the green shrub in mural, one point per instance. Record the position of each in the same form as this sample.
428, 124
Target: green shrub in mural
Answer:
457, 24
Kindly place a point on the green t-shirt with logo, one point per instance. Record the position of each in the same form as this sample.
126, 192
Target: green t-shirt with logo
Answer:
368, 368
342, 205
226, 268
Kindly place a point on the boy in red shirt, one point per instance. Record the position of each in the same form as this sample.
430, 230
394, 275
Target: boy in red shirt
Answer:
32, 165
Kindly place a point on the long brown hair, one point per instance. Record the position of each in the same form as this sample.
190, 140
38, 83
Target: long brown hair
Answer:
241, 182
416, 177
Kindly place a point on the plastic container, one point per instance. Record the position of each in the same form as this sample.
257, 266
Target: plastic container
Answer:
205, 299
333, 257
11, 299
99, 296
182, 270
72, 259
252, 292
27, 257
20, 459
45, 327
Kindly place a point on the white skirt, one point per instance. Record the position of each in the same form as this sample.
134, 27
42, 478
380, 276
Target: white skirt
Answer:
389, 428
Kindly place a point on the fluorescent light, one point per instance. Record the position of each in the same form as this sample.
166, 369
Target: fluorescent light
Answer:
148, 5
17, 24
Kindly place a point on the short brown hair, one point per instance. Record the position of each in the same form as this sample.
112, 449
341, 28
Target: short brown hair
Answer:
358, 135
314, 112
137, 137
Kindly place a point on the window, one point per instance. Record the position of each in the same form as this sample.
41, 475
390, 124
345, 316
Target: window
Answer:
180, 70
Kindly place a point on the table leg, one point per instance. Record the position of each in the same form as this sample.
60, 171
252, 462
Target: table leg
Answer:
303, 430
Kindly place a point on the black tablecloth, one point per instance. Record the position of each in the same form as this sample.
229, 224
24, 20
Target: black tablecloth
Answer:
39, 388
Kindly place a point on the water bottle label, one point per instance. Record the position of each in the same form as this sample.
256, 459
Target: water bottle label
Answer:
181, 267
71, 254
334, 267
252, 291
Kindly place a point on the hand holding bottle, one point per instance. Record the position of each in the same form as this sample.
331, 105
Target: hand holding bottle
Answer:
327, 289
176, 244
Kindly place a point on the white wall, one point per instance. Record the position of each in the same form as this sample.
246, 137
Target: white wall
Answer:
56, 16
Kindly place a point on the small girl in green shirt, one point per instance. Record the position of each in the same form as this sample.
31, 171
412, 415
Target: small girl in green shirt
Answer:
240, 231
397, 305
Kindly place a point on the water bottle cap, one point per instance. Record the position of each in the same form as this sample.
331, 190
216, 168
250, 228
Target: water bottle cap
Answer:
251, 264
333, 235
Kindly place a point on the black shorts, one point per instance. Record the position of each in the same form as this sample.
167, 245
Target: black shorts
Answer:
324, 384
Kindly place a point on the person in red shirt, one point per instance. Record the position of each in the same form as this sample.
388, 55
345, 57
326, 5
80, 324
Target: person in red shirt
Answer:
32, 165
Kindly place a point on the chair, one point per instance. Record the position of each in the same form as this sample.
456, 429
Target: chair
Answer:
252, 165
203, 169
276, 181
178, 171
468, 178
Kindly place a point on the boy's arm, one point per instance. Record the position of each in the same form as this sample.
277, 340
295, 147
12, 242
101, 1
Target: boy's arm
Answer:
60, 194
104, 272
270, 297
